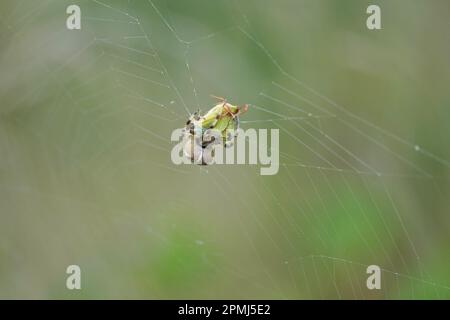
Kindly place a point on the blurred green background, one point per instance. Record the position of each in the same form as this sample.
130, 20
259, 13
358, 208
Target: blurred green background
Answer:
85, 170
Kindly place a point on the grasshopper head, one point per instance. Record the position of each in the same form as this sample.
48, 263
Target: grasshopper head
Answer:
243, 109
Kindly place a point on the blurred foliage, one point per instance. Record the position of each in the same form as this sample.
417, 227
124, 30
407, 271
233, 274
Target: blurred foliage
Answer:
85, 170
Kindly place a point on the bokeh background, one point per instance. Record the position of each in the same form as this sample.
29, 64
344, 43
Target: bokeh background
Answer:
85, 170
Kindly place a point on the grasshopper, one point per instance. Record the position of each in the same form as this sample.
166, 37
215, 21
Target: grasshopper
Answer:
223, 118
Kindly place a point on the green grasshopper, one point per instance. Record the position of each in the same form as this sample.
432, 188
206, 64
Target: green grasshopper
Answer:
223, 118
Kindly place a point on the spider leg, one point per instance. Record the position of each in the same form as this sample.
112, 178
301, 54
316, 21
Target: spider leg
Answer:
227, 108
224, 105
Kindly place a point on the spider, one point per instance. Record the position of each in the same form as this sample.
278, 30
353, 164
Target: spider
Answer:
223, 118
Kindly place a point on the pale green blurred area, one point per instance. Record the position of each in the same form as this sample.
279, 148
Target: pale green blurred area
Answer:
86, 176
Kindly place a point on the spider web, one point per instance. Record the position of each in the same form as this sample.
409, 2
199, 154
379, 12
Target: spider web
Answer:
87, 170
